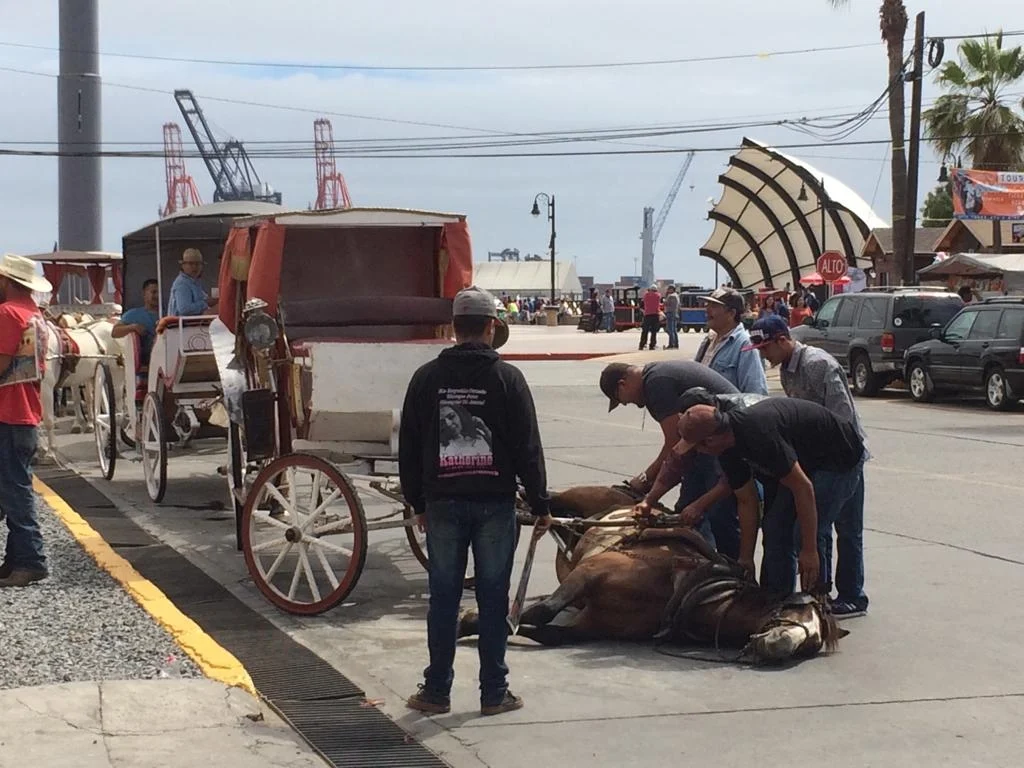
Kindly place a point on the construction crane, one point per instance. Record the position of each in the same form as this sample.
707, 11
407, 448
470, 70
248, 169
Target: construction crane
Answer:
181, 188
652, 226
331, 190
234, 177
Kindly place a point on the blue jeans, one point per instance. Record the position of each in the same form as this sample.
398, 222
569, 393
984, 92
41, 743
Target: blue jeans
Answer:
721, 524
845, 511
672, 328
833, 493
608, 318
18, 500
453, 526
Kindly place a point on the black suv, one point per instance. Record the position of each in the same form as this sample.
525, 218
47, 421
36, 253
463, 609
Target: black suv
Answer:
982, 348
868, 332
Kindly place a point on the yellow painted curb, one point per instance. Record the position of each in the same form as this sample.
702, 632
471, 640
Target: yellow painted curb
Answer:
214, 660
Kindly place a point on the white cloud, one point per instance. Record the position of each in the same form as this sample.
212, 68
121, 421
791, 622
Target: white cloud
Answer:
600, 199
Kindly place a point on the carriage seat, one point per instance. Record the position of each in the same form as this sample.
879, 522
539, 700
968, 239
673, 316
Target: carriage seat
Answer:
309, 317
171, 321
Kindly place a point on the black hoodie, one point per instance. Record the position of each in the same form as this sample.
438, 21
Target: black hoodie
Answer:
468, 430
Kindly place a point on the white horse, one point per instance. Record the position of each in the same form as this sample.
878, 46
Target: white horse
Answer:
75, 369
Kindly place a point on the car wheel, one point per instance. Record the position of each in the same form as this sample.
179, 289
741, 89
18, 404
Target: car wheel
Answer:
865, 383
920, 386
997, 394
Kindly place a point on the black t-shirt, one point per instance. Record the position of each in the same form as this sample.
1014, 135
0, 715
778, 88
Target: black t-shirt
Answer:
665, 382
777, 432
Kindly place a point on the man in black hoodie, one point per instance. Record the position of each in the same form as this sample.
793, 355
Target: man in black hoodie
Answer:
468, 430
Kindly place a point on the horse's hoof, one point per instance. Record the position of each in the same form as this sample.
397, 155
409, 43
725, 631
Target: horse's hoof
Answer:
89, 429
76, 430
468, 624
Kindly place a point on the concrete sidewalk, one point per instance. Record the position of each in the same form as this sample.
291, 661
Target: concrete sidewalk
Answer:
144, 724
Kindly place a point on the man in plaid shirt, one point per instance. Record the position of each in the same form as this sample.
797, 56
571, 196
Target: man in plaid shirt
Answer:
810, 373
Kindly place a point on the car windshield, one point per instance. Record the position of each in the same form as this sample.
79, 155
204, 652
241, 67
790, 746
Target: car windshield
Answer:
925, 311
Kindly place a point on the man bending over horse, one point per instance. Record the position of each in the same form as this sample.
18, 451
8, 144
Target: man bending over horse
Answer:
468, 430
810, 373
810, 461
658, 387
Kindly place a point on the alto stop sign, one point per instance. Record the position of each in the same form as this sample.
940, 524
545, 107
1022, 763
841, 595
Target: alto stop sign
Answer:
831, 266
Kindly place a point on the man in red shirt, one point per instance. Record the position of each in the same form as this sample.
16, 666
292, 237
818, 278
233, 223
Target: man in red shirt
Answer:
652, 317
22, 356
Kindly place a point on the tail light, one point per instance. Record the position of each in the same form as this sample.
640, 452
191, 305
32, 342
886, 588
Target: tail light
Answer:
889, 343
1020, 356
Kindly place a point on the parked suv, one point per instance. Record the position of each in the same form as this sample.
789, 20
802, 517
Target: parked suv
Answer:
868, 332
981, 348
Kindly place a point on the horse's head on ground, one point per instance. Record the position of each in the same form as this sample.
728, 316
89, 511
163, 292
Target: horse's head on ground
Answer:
799, 627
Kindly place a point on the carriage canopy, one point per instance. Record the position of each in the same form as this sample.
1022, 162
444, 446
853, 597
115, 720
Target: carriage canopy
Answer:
375, 274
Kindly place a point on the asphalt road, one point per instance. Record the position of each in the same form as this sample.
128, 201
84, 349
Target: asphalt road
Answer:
930, 677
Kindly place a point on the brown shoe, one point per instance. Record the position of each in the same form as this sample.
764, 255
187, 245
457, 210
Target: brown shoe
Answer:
22, 577
432, 703
507, 704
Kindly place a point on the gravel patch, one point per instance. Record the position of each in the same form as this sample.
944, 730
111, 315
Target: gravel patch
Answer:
79, 624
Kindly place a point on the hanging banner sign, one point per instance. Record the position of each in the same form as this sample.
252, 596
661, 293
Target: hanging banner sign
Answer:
987, 194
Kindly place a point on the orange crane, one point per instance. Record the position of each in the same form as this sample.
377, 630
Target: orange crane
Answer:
181, 188
331, 190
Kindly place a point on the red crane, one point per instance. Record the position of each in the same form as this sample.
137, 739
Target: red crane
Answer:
181, 188
331, 190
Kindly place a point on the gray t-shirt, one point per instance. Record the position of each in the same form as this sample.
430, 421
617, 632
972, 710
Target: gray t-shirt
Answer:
671, 302
665, 382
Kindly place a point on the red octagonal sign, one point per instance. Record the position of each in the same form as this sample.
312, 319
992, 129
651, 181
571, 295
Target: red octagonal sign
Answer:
831, 266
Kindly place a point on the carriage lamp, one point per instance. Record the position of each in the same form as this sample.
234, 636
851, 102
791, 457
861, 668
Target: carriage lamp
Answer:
260, 330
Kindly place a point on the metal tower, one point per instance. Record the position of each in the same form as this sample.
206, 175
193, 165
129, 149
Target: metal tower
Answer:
79, 174
234, 177
652, 227
181, 188
331, 190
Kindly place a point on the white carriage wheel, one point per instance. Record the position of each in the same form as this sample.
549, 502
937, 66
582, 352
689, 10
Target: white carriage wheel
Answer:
318, 527
104, 419
154, 447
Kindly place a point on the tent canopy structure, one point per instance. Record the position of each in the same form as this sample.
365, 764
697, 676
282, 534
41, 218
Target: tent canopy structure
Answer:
766, 235
1008, 266
527, 278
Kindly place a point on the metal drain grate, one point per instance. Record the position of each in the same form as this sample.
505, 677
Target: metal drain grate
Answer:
322, 705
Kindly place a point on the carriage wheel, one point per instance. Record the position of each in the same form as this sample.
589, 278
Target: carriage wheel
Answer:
104, 418
308, 559
154, 447
418, 544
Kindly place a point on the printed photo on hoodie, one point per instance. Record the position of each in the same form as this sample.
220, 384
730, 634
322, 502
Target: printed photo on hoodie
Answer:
464, 439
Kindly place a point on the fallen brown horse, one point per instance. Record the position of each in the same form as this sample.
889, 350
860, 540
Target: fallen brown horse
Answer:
636, 584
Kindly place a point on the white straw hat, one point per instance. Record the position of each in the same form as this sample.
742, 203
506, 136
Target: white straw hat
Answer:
23, 271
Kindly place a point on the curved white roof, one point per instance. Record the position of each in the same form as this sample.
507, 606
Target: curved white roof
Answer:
765, 234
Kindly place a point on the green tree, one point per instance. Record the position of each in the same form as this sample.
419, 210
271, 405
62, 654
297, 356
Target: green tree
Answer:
975, 117
938, 207
892, 22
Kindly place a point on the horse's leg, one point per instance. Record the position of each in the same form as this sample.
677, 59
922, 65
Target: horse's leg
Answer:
76, 409
87, 405
555, 634
572, 590
538, 614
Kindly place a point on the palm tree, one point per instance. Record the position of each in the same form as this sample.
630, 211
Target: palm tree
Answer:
892, 18
975, 117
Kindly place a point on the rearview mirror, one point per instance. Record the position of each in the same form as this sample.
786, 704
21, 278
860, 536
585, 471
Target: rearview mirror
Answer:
935, 331
808, 321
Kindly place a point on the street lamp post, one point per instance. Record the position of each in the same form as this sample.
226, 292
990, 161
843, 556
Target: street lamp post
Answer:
550, 200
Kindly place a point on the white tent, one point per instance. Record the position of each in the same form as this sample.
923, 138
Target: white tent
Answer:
527, 278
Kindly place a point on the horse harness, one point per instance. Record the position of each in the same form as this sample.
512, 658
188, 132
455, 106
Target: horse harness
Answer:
69, 353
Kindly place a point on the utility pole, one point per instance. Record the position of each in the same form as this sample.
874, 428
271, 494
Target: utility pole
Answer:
913, 157
79, 168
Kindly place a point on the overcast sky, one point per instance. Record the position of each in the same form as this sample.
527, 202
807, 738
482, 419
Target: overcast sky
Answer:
599, 199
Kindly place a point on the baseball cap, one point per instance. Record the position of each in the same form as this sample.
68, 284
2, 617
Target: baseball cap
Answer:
729, 298
610, 378
765, 331
477, 302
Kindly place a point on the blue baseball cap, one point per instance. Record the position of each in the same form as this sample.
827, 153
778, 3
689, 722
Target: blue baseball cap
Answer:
765, 331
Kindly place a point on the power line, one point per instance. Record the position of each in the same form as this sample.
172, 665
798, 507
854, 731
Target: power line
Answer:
448, 68
357, 154
479, 67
